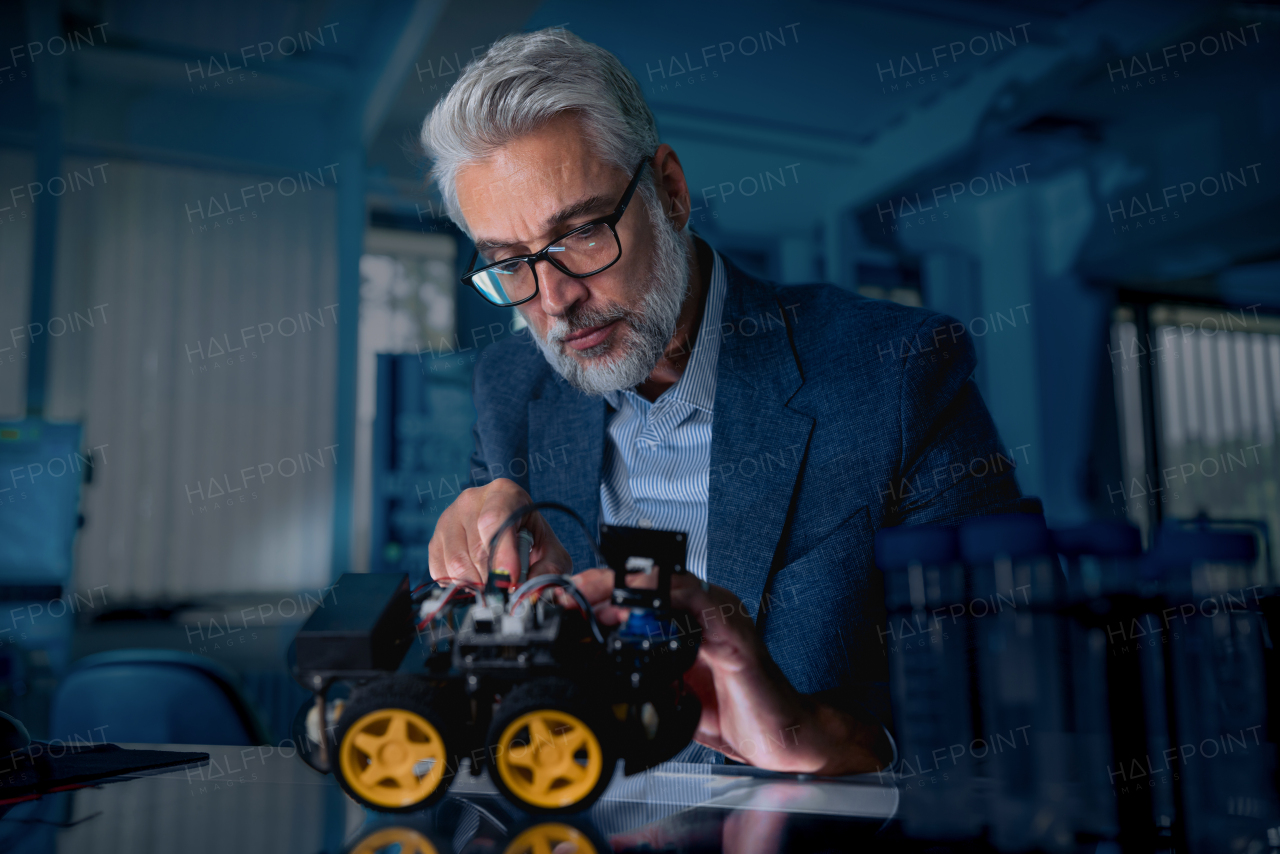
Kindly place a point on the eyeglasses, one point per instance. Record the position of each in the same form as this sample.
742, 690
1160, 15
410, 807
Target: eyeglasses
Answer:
589, 249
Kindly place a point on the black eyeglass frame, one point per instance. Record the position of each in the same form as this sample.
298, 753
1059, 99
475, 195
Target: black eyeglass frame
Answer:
611, 221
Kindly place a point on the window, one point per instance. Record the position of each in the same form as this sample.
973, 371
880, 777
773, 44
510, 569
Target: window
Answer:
889, 281
406, 306
1198, 395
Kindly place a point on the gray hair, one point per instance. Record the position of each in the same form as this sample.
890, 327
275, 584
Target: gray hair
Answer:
520, 84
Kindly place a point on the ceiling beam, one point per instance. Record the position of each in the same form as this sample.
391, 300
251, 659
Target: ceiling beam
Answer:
1000, 95
398, 36
159, 66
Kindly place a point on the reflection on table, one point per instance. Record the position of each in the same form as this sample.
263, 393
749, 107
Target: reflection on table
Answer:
267, 800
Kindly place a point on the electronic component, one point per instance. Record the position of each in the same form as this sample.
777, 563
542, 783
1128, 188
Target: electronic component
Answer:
642, 550
367, 627
500, 659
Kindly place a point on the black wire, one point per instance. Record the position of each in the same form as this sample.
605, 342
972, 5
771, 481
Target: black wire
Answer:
567, 584
519, 514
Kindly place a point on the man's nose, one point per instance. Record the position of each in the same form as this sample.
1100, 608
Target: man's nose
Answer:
559, 292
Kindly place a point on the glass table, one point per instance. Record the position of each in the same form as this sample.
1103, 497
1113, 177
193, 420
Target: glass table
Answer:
262, 799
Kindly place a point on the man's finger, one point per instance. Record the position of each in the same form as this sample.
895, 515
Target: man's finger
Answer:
717, 743
547, 555
435, 559
718, 610
505, 557
700, 679
544, 567
456, 555
496, 510
610, 615
596, 584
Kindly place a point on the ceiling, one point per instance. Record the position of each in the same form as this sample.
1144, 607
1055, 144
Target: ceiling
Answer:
817, 106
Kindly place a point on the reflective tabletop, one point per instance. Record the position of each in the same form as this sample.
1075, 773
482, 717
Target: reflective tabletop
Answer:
262, 799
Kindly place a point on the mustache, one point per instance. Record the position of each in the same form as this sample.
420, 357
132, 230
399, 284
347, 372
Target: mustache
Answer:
584, 318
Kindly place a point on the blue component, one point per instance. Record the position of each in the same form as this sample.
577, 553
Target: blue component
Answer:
643, 624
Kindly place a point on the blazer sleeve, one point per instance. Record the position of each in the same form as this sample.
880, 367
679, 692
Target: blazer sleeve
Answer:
952, 464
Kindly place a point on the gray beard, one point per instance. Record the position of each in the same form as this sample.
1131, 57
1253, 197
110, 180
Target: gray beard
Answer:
642, 336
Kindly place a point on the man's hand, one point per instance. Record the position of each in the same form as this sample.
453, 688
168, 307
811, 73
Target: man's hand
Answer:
459, 549
750, 712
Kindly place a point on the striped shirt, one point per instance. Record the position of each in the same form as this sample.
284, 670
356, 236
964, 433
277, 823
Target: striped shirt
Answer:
657, 456
657, 461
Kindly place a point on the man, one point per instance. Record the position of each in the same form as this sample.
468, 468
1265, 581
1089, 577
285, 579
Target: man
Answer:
779, 427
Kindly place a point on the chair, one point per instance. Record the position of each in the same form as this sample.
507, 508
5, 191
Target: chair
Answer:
153, 696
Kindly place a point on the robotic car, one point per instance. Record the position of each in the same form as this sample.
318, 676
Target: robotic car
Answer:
525, 685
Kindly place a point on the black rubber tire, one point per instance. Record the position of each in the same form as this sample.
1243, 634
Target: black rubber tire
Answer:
308, 750
678, 716
561, 695
413, 695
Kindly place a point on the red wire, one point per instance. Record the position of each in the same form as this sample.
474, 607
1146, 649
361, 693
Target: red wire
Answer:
465, 586
470, 584
439, 607
539, 591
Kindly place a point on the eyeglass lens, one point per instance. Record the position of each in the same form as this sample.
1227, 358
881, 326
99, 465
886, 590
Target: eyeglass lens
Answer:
582, 252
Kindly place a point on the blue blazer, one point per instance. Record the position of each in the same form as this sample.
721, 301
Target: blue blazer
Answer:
834, 415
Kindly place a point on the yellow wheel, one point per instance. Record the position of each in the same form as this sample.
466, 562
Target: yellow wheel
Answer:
546, 838
550, 747
394, 742
549, 759
408, 840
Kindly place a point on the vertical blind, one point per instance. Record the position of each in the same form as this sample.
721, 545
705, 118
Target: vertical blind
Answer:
1218, 394
207, 380
1216, 386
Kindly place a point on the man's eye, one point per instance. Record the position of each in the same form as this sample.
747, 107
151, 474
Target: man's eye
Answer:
585, 237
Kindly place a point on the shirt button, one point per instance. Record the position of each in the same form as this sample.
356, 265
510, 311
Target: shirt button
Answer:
645, 523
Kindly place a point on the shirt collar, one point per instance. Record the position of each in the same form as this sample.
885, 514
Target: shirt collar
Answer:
697, 385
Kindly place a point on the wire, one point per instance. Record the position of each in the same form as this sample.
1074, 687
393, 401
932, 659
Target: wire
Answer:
536, 581
534, 586
467, 586
539, 583
518, 516
586, 608
424, 585
521, 513
444, 600
524, 545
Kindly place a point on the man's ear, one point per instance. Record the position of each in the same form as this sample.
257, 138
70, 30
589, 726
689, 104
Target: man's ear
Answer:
673, 189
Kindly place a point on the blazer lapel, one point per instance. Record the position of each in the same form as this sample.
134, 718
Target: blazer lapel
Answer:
567, 428
757, 442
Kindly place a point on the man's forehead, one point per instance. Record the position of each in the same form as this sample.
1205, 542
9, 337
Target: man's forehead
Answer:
502, 178
513, 200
